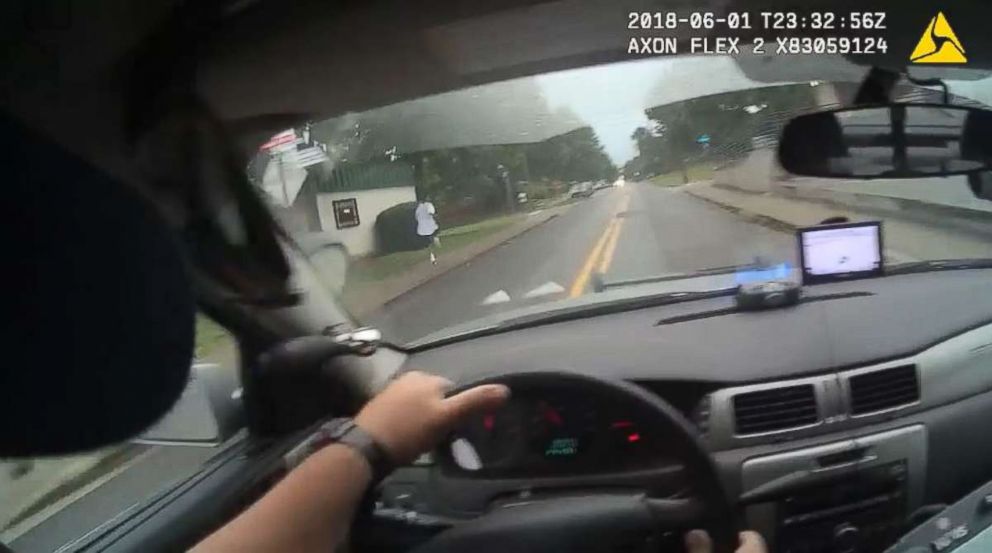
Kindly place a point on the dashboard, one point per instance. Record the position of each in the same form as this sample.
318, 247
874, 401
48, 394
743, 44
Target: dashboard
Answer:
844, 417
553, 431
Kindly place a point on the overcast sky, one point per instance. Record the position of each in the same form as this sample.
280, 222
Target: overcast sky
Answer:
612, 98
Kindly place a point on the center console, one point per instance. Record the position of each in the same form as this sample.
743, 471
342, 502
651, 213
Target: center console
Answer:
965, 527
849, 496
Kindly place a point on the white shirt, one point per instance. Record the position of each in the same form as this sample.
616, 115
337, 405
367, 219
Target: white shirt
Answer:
426, 225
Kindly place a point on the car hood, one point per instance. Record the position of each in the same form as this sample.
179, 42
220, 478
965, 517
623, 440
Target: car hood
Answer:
618, 291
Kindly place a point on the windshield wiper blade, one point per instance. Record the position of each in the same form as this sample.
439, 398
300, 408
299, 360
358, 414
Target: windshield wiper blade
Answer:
583, 311
604, 285
938, 265
757, 265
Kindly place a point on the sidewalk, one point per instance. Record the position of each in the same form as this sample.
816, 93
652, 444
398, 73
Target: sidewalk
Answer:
364, 298
906, 239
767, 208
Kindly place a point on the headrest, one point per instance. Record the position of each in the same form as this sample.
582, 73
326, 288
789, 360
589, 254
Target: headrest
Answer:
100, 337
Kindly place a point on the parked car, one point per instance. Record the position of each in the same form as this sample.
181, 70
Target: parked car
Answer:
581, 190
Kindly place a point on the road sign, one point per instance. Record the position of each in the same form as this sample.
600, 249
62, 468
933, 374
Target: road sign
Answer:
307, 156
281, 142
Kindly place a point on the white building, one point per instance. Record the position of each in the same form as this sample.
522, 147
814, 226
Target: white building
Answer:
341, 205
349, 202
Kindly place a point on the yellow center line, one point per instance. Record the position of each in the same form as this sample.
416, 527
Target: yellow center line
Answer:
611, 247
582, 278
605, 246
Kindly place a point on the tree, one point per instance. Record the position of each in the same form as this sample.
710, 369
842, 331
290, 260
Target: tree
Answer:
671, 143
470, 148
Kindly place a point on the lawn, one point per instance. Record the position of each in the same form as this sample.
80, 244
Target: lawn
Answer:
695, 173
209, 335
375, 268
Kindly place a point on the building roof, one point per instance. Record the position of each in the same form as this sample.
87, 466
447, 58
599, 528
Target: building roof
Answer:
346, 177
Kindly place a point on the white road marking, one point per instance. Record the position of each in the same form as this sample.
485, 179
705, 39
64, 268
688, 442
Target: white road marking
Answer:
499, 296
545, 289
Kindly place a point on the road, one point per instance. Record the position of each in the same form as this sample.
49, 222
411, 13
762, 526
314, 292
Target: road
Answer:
639, 230
151, 470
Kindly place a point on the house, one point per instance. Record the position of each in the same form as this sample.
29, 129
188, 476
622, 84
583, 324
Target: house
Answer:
337, 205
350, 199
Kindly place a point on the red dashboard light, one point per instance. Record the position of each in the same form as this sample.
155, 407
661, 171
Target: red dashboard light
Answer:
622, 424
633, 437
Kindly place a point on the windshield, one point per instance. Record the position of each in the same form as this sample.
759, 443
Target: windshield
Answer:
456, 208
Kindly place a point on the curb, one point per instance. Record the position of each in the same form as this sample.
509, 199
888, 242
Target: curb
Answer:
949, 217
757, 218
469, 259
497, 240
952, 217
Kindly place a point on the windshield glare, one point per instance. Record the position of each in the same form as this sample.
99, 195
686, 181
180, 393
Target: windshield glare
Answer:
530, 192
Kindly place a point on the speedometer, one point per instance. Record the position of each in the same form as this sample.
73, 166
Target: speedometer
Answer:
553, 432
560, 430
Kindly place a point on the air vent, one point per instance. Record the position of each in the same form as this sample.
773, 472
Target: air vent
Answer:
775, 409
884, 389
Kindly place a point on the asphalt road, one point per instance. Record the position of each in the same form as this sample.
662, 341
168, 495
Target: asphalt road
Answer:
658, 231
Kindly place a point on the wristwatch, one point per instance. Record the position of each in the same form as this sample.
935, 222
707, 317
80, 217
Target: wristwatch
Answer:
343, 431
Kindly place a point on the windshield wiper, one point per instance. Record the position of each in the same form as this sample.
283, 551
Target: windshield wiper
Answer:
577, 312
938, 265
604, 285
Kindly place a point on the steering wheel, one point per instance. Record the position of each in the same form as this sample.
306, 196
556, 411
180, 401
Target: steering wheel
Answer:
598, 521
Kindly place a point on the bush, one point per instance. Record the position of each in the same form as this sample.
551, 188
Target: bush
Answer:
396, 230
538, 190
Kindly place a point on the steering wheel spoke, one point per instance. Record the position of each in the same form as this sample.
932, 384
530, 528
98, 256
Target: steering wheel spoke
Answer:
676, 513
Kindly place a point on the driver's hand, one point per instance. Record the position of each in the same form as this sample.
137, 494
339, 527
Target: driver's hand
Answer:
699, 541
412, 415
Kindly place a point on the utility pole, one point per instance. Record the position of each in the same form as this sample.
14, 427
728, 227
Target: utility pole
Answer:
504, 176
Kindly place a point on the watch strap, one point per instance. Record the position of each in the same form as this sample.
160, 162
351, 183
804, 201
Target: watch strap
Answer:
344, 431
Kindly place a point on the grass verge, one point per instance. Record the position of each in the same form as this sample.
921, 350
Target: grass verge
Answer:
675, 178
375, 268
209, 335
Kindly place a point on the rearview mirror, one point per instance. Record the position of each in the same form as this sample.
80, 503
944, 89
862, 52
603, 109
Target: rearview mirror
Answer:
894, 141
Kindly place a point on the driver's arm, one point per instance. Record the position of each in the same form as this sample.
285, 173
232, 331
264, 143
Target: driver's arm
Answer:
312, 507
698, 541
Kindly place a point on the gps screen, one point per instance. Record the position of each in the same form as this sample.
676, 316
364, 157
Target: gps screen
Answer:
841, 251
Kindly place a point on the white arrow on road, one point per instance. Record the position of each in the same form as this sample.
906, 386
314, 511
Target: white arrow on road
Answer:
499, 296
545, 289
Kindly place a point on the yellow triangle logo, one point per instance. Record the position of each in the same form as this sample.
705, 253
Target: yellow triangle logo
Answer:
938, 44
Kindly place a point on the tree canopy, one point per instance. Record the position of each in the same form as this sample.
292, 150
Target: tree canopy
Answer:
470, 148
728, 120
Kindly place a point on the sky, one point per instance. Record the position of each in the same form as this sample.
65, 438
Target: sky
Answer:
612, 98
626, 85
